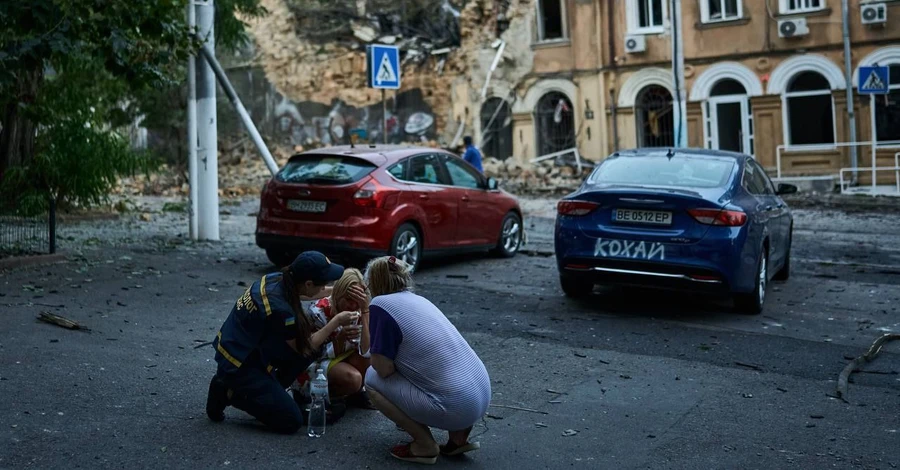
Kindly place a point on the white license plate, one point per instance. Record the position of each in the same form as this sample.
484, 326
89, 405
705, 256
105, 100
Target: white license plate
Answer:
306, 206
642, 217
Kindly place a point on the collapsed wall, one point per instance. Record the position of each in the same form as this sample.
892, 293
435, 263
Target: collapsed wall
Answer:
314, 52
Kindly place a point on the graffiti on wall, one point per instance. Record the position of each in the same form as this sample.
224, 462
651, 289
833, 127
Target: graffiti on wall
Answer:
409, 119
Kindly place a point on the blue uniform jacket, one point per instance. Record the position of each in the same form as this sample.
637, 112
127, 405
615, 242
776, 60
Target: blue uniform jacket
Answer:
261, 321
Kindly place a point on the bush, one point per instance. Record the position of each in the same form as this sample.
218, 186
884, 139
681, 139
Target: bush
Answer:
76, 164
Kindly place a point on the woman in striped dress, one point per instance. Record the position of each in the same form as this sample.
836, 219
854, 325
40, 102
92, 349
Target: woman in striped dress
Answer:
424, 374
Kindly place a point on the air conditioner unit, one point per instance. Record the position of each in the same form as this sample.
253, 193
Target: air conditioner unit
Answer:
873, 13
792, 28
635, 43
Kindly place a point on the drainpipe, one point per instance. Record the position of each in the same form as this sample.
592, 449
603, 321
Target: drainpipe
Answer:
848, 77
610, 30
613, 106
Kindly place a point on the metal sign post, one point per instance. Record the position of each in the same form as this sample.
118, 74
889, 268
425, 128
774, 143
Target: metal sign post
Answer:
384, 74
874, 80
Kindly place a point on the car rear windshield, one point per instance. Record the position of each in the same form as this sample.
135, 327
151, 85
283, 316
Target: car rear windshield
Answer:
324, 169
679, 171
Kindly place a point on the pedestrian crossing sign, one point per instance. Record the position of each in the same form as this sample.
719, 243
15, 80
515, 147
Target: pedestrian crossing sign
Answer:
384, 66
874, 80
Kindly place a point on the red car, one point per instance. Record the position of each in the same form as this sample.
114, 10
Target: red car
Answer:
367, 201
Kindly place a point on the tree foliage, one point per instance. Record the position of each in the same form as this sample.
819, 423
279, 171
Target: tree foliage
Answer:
73, 71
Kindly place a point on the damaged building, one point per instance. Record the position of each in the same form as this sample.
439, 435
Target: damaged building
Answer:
529, 78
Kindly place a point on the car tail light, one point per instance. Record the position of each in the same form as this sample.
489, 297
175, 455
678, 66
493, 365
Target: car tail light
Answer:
366, 196
719, 217
375, 195
575, 208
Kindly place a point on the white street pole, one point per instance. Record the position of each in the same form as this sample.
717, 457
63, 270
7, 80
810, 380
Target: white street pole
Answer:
207, 163
679, 106
192, 127
848, 77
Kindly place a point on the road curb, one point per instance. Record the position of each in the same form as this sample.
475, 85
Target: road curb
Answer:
16, 262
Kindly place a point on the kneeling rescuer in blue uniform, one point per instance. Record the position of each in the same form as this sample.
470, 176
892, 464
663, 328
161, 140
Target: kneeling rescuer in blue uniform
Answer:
267, 340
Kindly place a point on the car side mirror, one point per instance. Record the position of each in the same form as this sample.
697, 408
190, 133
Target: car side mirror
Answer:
492, 184
784, 188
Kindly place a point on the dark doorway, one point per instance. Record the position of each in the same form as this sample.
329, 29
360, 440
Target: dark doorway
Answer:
655, 122
496, 129
554, 123
731, 133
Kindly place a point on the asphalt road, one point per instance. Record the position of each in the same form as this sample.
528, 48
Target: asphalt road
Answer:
625, 379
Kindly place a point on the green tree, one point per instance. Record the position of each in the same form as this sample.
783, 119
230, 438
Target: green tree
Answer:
61, 57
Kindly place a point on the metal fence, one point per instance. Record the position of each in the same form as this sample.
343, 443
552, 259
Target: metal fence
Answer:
23, 236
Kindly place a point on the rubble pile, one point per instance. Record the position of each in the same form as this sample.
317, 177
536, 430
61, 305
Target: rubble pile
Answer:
242, 171
545, 178
418, 27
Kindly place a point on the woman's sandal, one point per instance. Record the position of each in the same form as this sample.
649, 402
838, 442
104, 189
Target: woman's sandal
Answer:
450, 448
404, 452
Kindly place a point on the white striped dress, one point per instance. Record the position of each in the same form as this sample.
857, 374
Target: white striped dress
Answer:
439, 380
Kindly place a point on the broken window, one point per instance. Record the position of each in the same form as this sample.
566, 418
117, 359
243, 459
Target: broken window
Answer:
555, 123
801, 6
551, 18
809, 94
887, 111
655, 122
646, 16
712, 11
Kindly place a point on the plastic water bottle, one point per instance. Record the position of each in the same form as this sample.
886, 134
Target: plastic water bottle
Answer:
318, 390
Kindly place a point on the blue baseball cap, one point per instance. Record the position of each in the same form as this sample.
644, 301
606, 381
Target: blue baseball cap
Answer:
316, 267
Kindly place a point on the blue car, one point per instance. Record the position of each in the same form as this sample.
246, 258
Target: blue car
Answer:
684, 219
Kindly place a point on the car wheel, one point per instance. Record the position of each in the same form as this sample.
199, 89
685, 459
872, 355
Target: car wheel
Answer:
407, 246
752, 303
784, 273
280, 258
574, 287
510, 236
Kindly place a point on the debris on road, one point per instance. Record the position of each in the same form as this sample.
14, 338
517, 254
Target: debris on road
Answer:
63, 322
578, 354
540, 425
519, 408
749, 366
869, 356
569, 432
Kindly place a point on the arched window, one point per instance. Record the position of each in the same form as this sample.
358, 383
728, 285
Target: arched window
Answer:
727, 87
809, 110
496, 129
555, 123
887, 110
655, 122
